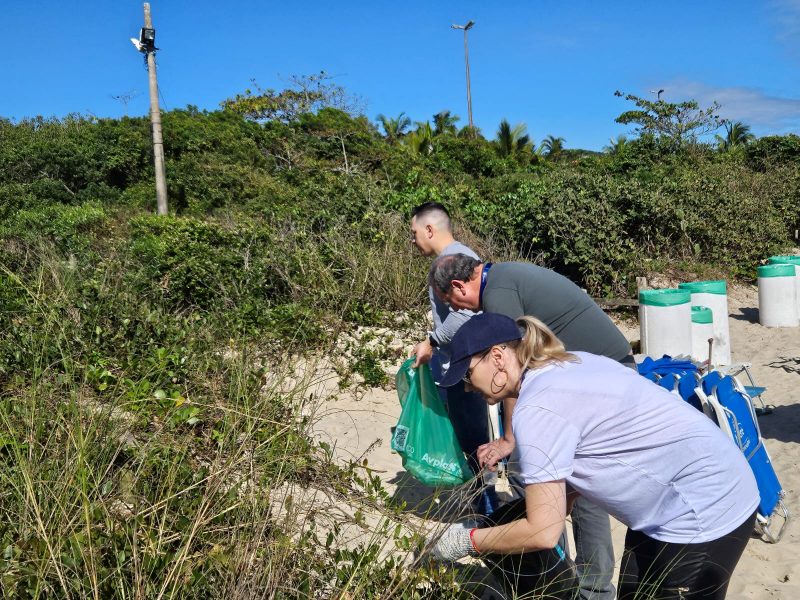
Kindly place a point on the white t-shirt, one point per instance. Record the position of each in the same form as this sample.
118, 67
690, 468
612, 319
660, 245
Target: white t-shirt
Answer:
644, 455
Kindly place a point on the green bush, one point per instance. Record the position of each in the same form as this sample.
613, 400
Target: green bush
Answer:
570, 222
773, 150
72, 229
154, 430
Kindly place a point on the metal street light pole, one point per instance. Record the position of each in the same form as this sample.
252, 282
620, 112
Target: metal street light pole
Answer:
466, 28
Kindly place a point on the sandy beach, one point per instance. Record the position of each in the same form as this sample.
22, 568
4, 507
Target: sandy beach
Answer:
360, 423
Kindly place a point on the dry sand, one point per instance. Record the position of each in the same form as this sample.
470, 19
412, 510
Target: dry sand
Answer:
360, 423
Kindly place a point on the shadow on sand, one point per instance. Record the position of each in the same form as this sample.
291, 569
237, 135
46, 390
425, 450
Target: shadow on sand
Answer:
782, 424
746, 314
445, 505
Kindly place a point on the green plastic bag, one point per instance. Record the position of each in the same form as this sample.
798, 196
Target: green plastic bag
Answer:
424, 436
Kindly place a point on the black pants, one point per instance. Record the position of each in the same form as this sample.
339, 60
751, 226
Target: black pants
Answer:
663, 571
546, 574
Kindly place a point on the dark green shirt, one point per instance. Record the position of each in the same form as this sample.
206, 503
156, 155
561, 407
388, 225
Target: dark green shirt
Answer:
515, 289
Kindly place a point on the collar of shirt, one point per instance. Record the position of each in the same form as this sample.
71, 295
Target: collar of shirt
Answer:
530, 374
484, 275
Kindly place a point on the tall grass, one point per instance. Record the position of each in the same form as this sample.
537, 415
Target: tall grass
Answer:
151, 451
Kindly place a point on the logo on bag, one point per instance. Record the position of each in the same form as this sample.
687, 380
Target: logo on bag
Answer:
438, 463
400, 438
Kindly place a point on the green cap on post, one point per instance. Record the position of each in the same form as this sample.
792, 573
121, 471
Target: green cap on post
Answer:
717, 286
702, 314
784, 260
776, 271
670, 297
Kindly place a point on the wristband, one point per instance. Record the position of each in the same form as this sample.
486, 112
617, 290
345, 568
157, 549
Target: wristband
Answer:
472, 539
432, 341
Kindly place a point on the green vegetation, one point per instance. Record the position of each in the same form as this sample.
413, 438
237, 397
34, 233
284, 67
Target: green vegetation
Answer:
157, 441
676, 123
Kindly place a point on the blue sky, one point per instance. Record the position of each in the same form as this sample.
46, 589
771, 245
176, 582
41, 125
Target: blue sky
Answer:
553, 65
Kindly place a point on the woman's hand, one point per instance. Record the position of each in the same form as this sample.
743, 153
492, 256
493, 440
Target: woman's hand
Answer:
492, 453
453, 543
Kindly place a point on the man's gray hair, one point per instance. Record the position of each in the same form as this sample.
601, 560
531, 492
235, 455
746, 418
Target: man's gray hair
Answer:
448, 267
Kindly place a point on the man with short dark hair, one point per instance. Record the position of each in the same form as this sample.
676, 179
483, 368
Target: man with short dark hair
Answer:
515, 289
432, 235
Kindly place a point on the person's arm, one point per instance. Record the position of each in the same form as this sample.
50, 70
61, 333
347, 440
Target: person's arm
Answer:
544, 438
492, 453
443, 334
452, 323
424, 352
545, 511
450, 320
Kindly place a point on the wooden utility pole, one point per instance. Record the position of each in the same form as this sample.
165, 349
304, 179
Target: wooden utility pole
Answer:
155, 118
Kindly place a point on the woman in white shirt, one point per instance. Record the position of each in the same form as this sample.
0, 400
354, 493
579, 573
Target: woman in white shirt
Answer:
587, 424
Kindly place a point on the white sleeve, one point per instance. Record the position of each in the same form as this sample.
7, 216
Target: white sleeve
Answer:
547, 443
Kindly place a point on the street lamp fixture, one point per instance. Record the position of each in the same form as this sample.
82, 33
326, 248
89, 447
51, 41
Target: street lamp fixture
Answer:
466, 28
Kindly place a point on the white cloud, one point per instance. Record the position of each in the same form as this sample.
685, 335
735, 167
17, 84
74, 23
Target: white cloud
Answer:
786, 16
764, 113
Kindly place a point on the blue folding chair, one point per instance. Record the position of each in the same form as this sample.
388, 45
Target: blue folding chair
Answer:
687, 389
654, 377
756, 392
677, 375
669, 382
663, 366
726, 402
709, 381
737, 417
704, 392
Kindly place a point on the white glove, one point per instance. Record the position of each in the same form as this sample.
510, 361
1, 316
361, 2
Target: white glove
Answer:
453, 543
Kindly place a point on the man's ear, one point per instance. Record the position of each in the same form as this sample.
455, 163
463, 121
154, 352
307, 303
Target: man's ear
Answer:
458, 287
429, 230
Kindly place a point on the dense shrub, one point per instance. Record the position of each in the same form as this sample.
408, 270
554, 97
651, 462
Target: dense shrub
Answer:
72, 229
773, 150
587, 215
572, 222
146, 423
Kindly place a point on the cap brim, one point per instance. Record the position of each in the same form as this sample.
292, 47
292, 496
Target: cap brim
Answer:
455, 372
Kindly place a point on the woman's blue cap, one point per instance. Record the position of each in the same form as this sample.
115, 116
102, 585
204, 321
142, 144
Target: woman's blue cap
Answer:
480, 333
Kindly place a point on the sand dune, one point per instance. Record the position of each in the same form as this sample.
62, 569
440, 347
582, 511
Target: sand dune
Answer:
356, 424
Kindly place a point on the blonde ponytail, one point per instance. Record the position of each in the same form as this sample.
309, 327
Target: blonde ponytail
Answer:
539, 346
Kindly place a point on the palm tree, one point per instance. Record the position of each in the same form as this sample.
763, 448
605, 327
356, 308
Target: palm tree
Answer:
444, 123
736, 134
470, 133
394, 129
512, 140
616, 146
552, 146
420, 141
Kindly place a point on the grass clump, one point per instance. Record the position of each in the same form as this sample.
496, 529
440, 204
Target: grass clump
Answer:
158, 444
